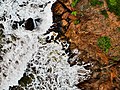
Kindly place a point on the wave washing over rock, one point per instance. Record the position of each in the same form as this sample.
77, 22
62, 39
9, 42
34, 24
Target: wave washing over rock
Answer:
25, 53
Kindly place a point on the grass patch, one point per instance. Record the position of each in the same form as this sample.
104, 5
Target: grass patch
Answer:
74, 13
104, 12
96, 2
76, 22
115, 58
74, 3
104, 43
114, 6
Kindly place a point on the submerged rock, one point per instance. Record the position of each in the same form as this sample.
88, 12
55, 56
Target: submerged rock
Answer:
15, 88
15, 25
25, 80
29, 24
1, 58
1, 26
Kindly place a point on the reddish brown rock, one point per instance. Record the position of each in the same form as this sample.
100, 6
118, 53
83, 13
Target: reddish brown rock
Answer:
64, 23
58, 9
65, 15
84, 36
72, 17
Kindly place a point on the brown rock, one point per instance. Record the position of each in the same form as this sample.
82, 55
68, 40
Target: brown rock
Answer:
84, 36
65, 15
72, 17
58, 9
106, 86
64, 23
67, 3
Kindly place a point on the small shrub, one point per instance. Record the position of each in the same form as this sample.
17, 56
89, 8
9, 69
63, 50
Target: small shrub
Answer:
104, 12
114, 6
74, 13
96, 2
74, 2
104, 43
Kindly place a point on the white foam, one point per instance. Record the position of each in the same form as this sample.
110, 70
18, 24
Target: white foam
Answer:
27, 46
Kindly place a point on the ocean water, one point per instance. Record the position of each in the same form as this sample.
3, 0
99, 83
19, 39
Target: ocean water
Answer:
26, 52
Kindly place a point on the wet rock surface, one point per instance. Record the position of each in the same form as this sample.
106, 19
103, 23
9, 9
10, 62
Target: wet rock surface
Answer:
29, 24
16, 24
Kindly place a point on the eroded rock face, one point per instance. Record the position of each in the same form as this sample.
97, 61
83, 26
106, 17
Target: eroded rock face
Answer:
29, 24
84, 36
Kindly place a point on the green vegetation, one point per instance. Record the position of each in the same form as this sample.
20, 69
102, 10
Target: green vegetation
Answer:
112, 2
76, 22
104, 43
74, 3
96, 2
104, 12
74, 13
118, 29
115, 58
114, 6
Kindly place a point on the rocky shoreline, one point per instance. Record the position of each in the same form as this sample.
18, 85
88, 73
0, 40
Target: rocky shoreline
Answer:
82, 26
36, 51
84, 32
